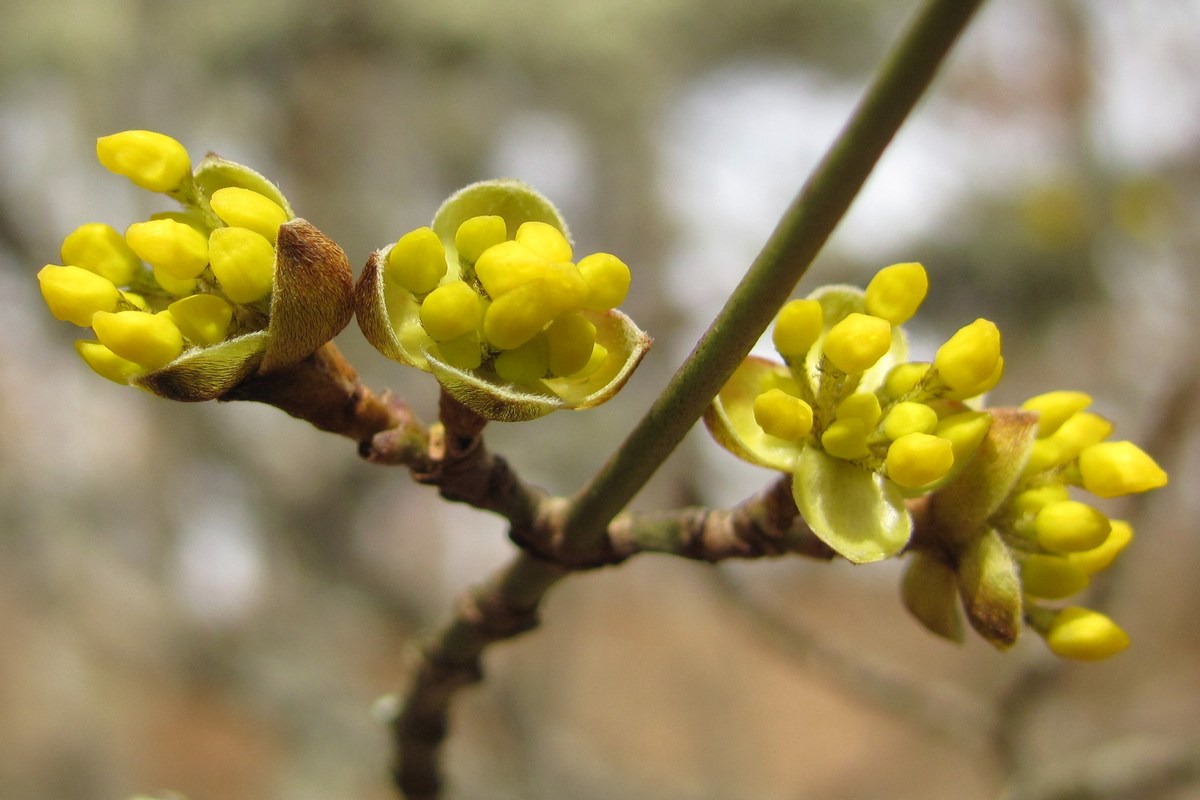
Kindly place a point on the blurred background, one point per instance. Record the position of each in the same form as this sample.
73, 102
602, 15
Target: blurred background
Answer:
211, 598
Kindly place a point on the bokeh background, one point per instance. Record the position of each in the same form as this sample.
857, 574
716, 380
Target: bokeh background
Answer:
212, 598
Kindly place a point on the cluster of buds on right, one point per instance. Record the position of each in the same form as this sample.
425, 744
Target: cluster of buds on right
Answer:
489, 300
191, 303
889, 455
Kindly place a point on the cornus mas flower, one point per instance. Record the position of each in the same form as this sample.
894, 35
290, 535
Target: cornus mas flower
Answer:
887, 454
859, 428
190, 303
490, 300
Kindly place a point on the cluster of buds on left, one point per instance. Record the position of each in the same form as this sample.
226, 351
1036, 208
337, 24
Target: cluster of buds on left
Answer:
888, 455
191, 303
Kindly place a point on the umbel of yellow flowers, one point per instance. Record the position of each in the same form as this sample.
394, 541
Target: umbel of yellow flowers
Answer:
491, 301
192, 302
890, 455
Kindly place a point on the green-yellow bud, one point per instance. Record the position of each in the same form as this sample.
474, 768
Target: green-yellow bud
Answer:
846, 439
245, 208
1031, 501
478, 234
1099, 558
1083, 634
896, 292
151, 340
417, 262
545, 240
970, 358
916, 459
516, 316
902, 380
1070, 526
857, 342
524, 364
176, 248
505, 266
75, 294
860, 405
1051, 577
571, 339
464, 352
202, 318
783, 415
797, 328
101, 249
151, 160
243, 262
965, 431
1112, 469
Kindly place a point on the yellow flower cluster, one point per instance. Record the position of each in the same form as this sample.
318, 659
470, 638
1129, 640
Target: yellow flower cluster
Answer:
904, 422
1060, 542
178, 281
515, 305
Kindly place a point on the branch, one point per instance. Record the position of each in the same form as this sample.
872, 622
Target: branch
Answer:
806, 225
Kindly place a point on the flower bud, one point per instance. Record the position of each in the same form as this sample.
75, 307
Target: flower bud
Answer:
970, 358
1070, 526
1099, 558
506, 266
151, 340
862, 406
74, 294
1055, 408
202, 318
546, 241
417, 262
783, 415
571, 339
797, 328
450, 311
1051, 577
846, 439
106, 363
151, 160
1112, 469
101, 249
607, 279
176, 248
245, 208
526, 363
243, 262
477, 234
917, 459
965, 431
909, 417
1083, 634
896, 292
857, 342
903, 379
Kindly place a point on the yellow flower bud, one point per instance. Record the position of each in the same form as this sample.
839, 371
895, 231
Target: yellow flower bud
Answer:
417, 262
607, 278
857, 342
516, 316
1079, 431
506, 266
74, 294
1070, 526
902, 380
524, 364
202, 318
1083, 634
478, 234
571, 339
595, 361
916, 459
896, 292
464, 352
1112, 469
909, 417
151, 340
545, 240
245, 208
1031, 501
101, 249
965, 432
970, 358
1099, 558
243, 262
106, 363
860, 405
1055, 408
172, 285
846, 439
176, 248
450, 311
783, 415
151, 160
797, 328
1051, 577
